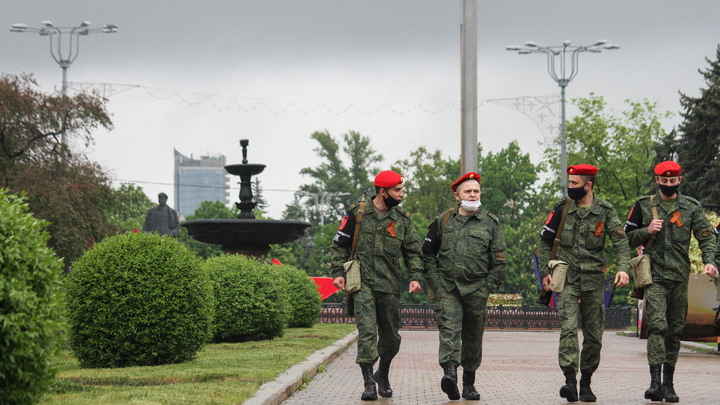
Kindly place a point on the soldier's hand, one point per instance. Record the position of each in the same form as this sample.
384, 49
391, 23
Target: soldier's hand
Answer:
710, 270
414, 287
547, 281
339, 283
621, 279
655, 226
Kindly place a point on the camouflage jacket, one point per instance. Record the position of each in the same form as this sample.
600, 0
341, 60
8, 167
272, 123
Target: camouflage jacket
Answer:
669, 253
381, 244
582, 243
469, 254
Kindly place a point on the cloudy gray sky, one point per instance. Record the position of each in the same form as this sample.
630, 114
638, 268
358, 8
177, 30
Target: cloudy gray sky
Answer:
238, 67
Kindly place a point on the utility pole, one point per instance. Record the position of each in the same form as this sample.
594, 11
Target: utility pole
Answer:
469, 91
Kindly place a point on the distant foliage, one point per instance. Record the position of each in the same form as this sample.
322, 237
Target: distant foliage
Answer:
303, 297
250, 296
30, 304
138, 299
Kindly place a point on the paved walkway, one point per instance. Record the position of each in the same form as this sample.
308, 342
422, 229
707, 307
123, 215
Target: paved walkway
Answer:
518, 368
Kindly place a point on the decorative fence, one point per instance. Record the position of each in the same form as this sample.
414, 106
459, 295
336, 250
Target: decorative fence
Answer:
524, 317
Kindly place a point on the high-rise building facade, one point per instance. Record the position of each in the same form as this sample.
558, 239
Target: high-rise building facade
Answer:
198, 180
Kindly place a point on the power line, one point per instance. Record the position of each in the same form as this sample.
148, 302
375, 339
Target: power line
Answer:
195, 185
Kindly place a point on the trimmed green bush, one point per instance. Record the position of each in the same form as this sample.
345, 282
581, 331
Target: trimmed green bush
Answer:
303, 297
138, 299
250, 296
30, 304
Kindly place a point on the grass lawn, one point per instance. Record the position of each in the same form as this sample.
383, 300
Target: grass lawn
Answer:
226, 373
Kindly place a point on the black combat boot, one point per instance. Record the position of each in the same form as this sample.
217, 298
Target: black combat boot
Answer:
569, 390
667, 384
370, 393
586, 394
383, 379
449, 381
654, 393
469, 391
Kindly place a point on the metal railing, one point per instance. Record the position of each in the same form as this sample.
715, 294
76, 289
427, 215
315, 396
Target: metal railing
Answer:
503, 317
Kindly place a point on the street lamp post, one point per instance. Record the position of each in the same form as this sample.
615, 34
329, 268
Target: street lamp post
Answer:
562, 79
64, 60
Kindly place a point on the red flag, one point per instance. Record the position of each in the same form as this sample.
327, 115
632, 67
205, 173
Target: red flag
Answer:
325, 286
277, 262
136, 231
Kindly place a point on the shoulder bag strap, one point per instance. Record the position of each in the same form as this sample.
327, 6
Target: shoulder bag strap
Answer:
358, 221
558, 233
651, 239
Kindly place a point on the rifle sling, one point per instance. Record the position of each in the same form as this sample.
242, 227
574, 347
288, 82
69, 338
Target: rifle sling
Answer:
651, 239
358, 220
558, 233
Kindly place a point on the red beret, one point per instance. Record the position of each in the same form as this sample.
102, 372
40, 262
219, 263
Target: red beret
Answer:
467, 176
387, 179
667, 168
586, 170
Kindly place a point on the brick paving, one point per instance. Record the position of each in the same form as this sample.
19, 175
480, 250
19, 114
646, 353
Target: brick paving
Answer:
519, 367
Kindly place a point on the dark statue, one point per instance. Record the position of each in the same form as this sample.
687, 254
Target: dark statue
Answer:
162, 219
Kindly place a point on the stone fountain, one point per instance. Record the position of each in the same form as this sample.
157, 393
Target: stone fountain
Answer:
245, 235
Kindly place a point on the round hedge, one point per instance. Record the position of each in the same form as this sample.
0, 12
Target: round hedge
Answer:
303, 297
138, 299
30, 304
250, 296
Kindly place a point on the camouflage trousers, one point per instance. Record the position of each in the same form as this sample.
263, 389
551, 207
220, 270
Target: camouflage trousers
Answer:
377, 316
665, 310
591, 304
461, 323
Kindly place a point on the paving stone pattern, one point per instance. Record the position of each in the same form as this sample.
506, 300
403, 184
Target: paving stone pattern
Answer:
517, 368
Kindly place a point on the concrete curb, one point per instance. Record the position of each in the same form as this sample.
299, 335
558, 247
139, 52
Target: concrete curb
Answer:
278, 390
705, 348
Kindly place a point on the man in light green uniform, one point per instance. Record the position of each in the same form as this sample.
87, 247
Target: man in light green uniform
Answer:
464, 254
588, 222
666, 298
386, 234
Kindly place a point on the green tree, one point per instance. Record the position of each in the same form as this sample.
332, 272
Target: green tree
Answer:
32, 122
508, 178
698, 147
621, 145
73, 195
333, 175
206, 210
67, 190
129, 206
258, 197
427, 178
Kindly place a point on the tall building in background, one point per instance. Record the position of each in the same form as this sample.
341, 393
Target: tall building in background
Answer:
199, 180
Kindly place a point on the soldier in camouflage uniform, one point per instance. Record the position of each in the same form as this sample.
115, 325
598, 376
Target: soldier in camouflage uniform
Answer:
386, 234
666, 298
464, 255
589, 221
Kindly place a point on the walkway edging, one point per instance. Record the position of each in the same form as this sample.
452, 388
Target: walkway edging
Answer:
275, 391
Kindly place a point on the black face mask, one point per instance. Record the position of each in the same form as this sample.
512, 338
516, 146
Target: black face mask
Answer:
389, 201
577, 193
669, 191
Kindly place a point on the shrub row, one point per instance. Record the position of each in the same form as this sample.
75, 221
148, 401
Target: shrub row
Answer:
141, 299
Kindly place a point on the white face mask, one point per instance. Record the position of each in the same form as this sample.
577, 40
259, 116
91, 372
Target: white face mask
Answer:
470, 206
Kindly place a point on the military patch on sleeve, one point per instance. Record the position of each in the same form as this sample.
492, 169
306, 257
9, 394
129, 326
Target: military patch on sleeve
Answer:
706, 232
619, 231
500, 256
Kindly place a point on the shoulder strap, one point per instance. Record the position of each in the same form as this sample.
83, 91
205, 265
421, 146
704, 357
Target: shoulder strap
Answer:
651, 239
446, 218
358, 221
558, 233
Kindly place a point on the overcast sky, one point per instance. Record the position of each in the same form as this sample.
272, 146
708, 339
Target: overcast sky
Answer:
231, 61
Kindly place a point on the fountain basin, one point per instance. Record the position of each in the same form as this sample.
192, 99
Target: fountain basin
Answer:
251, 237
245, 169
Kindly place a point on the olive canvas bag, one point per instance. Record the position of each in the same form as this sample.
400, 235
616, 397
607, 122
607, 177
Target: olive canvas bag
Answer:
352, 267
558, 268
641, 265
